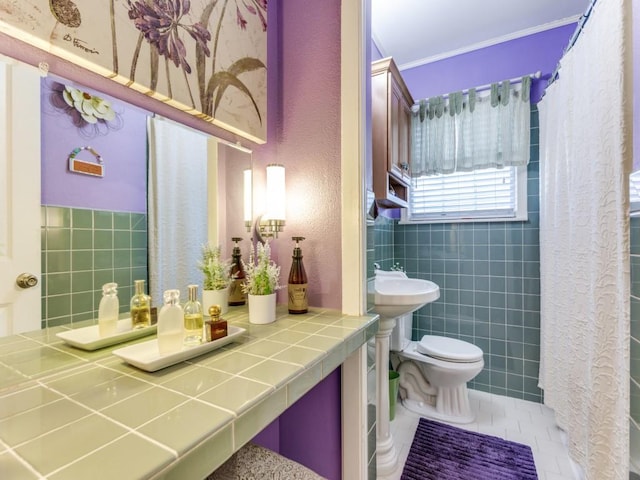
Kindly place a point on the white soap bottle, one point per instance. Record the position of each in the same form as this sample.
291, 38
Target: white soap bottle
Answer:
170, 323
108, 310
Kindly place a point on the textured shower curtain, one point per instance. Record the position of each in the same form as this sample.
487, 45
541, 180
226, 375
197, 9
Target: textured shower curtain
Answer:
585, 159
177, 206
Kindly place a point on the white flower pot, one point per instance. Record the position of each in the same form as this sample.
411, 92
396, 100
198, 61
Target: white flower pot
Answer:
262, 308
215, 297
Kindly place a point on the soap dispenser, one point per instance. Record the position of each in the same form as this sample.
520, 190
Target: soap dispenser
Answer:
140, 307
108, 310
298, 302
170, 323
236, 294
193, 318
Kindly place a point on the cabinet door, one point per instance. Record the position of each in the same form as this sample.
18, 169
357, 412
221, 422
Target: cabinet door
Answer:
397, 149
404, 139
399, 133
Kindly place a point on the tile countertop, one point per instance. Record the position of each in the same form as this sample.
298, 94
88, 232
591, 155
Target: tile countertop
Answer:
66, 413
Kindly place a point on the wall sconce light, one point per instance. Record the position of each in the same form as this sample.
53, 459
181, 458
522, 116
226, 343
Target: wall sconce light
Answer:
273, 220
248, 199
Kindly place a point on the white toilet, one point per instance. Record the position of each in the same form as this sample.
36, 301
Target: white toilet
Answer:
434, 373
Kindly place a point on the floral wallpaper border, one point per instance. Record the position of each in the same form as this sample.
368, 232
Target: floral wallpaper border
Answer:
205, 57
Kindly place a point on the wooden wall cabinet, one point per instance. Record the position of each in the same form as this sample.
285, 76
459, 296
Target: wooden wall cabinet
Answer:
391, 134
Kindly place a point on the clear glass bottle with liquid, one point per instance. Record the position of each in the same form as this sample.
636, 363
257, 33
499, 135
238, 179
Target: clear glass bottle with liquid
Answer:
140, 307
108, 310
236, 295
170, 323
193, 318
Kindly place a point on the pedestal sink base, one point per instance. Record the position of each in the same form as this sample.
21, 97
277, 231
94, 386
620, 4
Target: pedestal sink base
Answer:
386, 457
394, 295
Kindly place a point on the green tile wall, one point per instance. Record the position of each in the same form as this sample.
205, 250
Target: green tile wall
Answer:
489, 278
83, 249
634, 421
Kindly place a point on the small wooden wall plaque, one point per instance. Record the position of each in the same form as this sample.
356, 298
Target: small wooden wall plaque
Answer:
87, 168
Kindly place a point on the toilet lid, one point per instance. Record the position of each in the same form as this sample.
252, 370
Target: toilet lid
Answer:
450, 349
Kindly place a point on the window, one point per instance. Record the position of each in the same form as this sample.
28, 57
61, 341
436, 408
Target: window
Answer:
489, 194
634, 193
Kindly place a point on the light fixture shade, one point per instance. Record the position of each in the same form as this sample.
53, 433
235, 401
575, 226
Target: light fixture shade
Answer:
248, 196
276, 193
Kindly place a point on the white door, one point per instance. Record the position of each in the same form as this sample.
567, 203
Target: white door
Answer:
19, 196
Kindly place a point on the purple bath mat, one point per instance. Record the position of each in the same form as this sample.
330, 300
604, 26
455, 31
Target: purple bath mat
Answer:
443, 452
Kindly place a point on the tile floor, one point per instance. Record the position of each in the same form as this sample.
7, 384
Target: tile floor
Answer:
518, 420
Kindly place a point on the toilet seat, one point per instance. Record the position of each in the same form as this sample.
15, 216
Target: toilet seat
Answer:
449, 349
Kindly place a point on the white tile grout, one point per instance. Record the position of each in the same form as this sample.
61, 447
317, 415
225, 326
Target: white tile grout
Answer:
517, 420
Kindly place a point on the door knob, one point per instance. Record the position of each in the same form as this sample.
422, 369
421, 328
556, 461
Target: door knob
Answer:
26, 280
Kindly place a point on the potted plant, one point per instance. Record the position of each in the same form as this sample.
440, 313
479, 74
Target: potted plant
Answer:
215, 289
262, 280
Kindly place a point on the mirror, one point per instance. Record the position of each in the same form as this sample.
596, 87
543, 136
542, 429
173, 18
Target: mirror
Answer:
94, 227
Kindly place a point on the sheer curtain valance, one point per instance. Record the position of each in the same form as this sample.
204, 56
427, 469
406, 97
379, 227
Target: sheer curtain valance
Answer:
465, 132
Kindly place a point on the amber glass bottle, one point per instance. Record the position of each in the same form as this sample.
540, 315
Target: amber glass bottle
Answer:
298, 302
236, 295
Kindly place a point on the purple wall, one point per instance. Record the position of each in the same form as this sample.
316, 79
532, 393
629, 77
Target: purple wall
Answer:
123, 149
303, 134
537, 52
310, 429
309, 432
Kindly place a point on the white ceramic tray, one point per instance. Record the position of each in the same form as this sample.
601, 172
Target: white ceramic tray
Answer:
88, 338
145, 355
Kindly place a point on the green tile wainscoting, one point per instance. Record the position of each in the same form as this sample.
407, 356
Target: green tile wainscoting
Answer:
83, 249
634, 420
489, 278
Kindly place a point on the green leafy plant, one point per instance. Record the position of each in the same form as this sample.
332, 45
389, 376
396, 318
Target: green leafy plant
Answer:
263, 276
215, 270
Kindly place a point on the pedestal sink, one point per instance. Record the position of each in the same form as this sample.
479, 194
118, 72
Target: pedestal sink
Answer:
394, 295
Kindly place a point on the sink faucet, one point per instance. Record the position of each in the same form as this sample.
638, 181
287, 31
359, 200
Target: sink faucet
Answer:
397, 267
376, 266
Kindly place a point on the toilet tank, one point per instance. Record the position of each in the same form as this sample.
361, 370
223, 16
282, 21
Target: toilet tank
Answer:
401, 333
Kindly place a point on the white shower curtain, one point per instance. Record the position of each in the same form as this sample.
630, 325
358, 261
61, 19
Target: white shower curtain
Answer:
177, 206
585, 159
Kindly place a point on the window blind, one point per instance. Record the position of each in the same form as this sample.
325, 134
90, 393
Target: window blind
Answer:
489, 193
634, 192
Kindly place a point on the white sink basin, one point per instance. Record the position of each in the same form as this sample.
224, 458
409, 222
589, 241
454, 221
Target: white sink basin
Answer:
395, 294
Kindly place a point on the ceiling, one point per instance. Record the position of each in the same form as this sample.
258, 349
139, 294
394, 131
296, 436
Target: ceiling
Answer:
415, 32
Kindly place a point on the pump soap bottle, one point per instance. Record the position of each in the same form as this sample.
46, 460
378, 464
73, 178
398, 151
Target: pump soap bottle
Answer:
236, 295
140, 307
108, 310
298, 302
170, 323
193, 318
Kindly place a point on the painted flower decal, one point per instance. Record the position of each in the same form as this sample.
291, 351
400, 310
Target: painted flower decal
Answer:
91, 108
160, 22
254, 7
